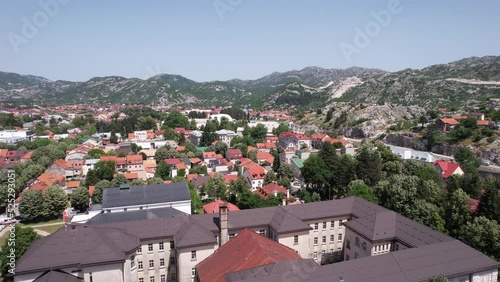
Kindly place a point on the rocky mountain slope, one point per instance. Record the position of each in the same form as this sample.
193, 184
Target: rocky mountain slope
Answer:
455, 83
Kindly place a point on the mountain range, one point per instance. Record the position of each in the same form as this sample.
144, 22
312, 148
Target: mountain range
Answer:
452, 84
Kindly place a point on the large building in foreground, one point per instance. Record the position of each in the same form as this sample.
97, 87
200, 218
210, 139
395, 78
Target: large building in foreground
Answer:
373, 243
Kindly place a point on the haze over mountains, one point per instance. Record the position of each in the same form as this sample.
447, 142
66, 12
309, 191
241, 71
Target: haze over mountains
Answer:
439, 85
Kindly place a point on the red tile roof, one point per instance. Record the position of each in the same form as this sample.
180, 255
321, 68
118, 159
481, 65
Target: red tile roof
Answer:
208, 155
172, 161
483, 122
134, 159
247, 250
448, 168
265, 156
257, 172
333, 141
234, 154
214, 207
230, 177
73, 184
131, 175
269, 189
450, 121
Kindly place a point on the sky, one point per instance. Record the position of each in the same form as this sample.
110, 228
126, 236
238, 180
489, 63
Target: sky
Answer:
207, 40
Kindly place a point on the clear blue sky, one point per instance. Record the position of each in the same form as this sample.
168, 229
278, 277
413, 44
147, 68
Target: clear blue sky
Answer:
91, 38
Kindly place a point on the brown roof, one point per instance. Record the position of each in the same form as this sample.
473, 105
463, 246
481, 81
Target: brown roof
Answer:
78, 247
247, 250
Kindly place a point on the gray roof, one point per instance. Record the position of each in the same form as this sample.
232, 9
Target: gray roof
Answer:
77, 247
450, 259
388, 225
284, 221
57, 276
145, 194
135, 215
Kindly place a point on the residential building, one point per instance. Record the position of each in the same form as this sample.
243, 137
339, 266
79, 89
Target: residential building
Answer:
135, 163
213, 207
446, 169
225, 136
255, 177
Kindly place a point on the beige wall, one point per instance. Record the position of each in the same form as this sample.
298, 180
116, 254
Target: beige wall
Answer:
330, 246
187, 263
302, 246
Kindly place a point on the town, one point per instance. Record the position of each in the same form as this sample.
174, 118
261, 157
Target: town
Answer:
165, 194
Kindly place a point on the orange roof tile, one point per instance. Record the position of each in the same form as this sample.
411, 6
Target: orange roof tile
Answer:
213, 207
131, 175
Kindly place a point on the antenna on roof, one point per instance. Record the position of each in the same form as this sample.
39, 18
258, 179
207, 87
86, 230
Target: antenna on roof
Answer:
341, 278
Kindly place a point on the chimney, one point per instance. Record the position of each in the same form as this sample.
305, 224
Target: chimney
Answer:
288, 193
224, 235
284, 202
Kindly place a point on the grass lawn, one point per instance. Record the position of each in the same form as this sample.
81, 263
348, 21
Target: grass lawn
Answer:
59, 220
4, 237
51, 229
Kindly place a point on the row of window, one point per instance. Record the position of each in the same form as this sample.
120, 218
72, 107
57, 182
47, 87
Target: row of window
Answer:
332, 239
151, 263
323, 253
161, 247
163, 278
332, 224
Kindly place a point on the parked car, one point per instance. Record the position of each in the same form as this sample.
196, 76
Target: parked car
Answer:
7, 221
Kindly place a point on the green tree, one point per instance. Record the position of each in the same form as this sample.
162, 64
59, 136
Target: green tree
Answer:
113, 138
80, 198
55, 200
162, 170
154, 180
221, 148
24, 236
456, 212
94, 153
258, 133
137, 182
175, 119
101, 171
146, 123
162, 153
119, 180
422, 120
286, 170
32, 207
482, 234
489, 205
359, 189
467, 160
315, 174
270, 177
196, 203
282, 127
135, 148
99, 189
369, 164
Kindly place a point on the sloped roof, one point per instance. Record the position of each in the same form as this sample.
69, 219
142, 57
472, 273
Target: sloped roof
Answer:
192, 233
77, 247
115, 217
448, 168
145, 194
213, 207
247, 250
450, 121
57, 276
283, 222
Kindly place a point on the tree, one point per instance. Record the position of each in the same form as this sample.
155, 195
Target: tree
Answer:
315, 173
482, 234
162, 170
102, 170
55, 201
196, 203
154, 180
422, 120
283, 127
467, 160
276, 162
359, 189
456, 212
80, 198
113, 138
24, 236
428, 172
32, 206
135, 148
208, 136
489, 205
146, 123
181, 173
176, 119
286, 170
258, 132
369, 164
221, 148
138, 182
162, 154
270, 177
329, 114
119, 180
99, 189
285, 182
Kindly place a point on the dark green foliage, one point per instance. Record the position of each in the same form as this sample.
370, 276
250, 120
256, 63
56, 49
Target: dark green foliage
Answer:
101, 171
489, 204
24, 236
80, 198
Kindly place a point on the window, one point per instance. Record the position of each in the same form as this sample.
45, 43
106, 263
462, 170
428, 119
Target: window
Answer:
139, 251
348, 244
356, 255
139, 265
150, 247
332, 224
295, 240
90, 276
172, 260
315, 255
193, 272
323, 240
163, 278
132, 262
339, 237
396, 247
173, 276
141, 279
323, 253
332, 238
316, 226
161, 246
341, 223
231, 236
172, 245
324, 225
162, 262
262, 232
339, 251
193, 255
363, 245
357, 241
331, 252
315, 240
151, 263
151, 279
